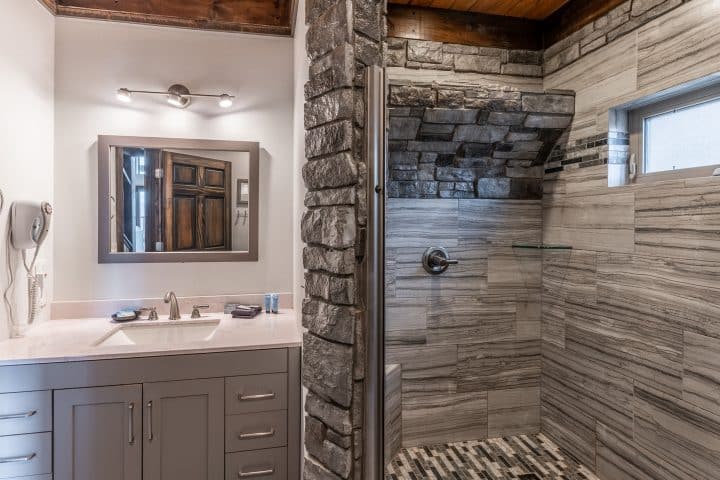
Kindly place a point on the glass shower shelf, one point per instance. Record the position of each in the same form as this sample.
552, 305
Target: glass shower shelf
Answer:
541, 246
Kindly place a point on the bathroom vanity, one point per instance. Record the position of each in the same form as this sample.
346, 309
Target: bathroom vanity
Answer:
88, 399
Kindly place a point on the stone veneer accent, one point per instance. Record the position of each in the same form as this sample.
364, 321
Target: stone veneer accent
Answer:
479, 140
344, 36
424, 54
621, 20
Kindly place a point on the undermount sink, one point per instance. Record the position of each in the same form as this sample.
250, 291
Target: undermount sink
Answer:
161, 333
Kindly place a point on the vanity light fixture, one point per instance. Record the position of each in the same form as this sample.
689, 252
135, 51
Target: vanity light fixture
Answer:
177, 95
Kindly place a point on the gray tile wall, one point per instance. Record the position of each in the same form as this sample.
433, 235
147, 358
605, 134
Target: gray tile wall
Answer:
468, 341
623, 19
631, 318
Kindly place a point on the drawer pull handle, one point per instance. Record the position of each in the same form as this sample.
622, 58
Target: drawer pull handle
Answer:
15, 416
262, 396
256, 473
24, 458
131, 423
150, 424
245, 436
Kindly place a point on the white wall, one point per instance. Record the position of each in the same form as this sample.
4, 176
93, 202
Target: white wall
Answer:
301, 76
94, 58
26, 125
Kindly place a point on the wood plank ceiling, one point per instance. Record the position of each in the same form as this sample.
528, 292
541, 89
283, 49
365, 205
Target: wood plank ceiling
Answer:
520, 24
270, 17
530, 9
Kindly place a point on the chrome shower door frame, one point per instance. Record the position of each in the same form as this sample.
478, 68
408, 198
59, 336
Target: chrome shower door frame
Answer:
374, 412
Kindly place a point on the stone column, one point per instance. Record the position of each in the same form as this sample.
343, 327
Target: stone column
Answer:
344, 36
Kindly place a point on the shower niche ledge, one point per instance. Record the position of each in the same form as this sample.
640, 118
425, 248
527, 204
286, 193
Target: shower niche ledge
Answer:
541, 246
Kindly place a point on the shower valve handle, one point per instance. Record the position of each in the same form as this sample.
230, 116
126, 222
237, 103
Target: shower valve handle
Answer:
436, 260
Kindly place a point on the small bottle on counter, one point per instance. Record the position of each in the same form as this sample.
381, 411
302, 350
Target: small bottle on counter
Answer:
275, 303
268, 302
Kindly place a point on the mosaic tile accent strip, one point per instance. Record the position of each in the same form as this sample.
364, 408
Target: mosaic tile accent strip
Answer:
612, 147
522, 457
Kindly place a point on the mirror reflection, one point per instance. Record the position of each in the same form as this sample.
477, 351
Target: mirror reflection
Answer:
176, 200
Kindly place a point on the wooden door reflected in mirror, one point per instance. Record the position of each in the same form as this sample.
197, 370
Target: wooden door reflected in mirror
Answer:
165, 200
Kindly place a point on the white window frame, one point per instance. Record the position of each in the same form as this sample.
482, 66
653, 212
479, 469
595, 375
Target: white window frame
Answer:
667, 105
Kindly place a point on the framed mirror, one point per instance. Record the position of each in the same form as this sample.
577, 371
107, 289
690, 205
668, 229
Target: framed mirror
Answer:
177, 200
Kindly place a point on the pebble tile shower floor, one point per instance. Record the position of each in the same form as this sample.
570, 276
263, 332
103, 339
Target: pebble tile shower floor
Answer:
523, 457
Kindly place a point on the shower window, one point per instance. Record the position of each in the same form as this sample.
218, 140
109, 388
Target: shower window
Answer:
676, 136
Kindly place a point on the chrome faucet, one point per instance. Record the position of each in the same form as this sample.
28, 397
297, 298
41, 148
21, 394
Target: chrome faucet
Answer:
174, 309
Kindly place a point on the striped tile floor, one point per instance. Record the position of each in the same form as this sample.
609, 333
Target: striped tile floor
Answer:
523, 457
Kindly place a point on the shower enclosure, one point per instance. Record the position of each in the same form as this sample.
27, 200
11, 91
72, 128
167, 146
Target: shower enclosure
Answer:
457, 330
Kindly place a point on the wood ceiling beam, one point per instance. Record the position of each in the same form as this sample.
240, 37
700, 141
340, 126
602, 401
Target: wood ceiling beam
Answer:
270, 17
530, 9
466, 28
50, 5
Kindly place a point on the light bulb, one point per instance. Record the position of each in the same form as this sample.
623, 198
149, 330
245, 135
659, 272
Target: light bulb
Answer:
124, 95
225, 101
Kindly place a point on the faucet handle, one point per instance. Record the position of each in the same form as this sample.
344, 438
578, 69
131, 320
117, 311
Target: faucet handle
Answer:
196, 310
153, 315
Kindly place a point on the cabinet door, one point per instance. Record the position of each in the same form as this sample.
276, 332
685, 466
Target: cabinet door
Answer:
97, 433
184, 430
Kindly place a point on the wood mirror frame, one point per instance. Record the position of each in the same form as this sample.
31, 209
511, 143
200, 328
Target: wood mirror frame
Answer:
105, 253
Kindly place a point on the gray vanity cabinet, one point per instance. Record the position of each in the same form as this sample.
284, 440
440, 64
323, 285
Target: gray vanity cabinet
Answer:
206, 416
184, 430
97, 433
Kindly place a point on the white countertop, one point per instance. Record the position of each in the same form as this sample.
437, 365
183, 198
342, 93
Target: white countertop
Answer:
75, 340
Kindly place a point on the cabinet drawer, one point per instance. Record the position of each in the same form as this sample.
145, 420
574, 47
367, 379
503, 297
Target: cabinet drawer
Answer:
34, 477
253, 431
255, 393
23, 455
262, 464
25, 412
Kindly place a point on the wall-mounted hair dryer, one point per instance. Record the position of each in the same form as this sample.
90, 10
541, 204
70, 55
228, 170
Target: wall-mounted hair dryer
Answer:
29, 227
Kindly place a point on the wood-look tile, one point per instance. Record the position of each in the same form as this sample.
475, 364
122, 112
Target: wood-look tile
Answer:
605, 63
468, 277
553, 318
679, 221
425, 369
566, 422
635, 357
421, 223
390, 271
405, 321
618, 457
666, 294
514, 411
393, 411
498, 365
460, 320
571, 274
528, 317
701, 371
687, 436
592, 388
591, 222
499, 222
680, 46
514, 270
581, 181
434, 419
